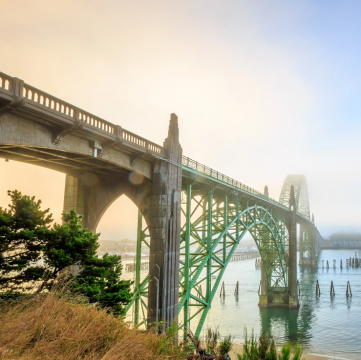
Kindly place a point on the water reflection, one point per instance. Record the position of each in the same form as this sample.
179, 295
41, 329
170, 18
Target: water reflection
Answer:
294, 324
324, 324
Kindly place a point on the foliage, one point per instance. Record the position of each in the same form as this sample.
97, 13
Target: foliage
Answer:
24, 229
99, 281
265, 349
211, 340
211, 347
34, 253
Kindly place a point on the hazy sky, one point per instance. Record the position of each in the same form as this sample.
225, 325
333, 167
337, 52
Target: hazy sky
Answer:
262, 89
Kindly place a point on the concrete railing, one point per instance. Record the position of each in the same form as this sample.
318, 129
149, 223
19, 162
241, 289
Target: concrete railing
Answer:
6, 82
192, 164
51, 104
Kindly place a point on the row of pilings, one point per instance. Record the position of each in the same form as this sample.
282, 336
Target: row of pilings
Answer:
351, 262
235, 257
332, 289
131, 267
244, 256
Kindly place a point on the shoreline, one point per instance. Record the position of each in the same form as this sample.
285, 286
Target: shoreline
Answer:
305, 356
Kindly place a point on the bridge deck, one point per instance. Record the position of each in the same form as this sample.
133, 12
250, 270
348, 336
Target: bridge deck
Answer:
15, 94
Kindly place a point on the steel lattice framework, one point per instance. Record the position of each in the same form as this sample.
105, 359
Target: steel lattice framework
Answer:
308, 238
213, 227
301, 193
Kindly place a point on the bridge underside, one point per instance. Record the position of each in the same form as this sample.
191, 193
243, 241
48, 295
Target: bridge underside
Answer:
60, 160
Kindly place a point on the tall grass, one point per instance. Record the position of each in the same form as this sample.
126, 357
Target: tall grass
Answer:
62, 325
265, 349
56, 326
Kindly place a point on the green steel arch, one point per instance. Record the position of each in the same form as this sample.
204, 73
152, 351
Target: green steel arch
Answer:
301, 194
213, 227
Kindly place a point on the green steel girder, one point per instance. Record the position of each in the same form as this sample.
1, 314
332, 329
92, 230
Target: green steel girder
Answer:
301, 193
213, 228
140, 288
307, 243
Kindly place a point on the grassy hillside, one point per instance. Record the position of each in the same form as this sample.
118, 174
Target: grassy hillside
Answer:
53, 327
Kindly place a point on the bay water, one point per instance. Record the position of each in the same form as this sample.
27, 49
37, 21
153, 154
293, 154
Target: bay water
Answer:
325, 324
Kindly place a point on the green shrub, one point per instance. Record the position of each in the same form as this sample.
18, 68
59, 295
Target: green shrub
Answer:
265, 349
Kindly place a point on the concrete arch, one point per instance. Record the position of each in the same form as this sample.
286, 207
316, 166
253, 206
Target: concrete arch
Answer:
139, 203
301, 193
92, 195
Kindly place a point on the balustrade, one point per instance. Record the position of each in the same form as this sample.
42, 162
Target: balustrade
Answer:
6, 82
41, 99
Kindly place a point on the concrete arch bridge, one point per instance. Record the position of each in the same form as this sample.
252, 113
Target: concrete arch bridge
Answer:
196, 216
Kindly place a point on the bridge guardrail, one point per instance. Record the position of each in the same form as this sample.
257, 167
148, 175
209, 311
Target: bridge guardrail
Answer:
57, 106
195, 165
6, 83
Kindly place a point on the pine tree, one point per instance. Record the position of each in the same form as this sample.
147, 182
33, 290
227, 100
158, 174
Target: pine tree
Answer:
34, 253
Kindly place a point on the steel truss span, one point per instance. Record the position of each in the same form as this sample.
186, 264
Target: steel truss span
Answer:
301, 194
212, 228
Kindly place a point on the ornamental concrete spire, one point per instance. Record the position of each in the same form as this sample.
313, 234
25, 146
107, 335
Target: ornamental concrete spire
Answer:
163, 291
266, 191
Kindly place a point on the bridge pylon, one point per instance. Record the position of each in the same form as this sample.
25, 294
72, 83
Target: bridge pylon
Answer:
292, 257
272, 294
308, 246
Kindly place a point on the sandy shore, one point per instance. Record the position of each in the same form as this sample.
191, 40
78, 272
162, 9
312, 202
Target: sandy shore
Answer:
306, 356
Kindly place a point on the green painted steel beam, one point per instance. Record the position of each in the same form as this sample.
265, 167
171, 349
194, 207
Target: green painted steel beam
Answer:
212, 230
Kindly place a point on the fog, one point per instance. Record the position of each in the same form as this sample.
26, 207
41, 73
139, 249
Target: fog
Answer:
262, 90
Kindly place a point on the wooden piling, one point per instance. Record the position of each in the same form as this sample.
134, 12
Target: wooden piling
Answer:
332, 289
236, 291
318, 290
348, 289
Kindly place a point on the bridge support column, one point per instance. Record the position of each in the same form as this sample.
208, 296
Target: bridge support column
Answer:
292, 258
308, 252
314, 247
263, 296
76, 196
302, 231
163, 290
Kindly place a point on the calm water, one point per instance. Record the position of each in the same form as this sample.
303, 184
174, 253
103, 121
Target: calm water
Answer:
324, 325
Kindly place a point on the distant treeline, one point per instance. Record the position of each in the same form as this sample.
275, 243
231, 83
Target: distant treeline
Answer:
345, 236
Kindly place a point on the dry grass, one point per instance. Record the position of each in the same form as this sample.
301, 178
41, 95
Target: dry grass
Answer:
53, 327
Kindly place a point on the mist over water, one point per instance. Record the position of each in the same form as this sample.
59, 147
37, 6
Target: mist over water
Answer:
323, 325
